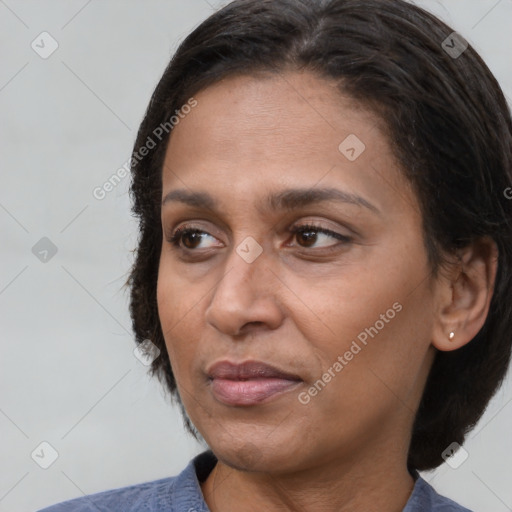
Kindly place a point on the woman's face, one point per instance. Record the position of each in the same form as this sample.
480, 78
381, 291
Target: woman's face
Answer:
348, 316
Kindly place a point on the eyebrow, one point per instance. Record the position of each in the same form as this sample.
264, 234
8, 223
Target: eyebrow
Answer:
289, 199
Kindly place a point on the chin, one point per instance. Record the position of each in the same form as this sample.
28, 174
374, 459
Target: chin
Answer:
247, 457
249, 452
256, 454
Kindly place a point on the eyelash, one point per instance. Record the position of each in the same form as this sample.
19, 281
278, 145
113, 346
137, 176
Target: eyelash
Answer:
175, 238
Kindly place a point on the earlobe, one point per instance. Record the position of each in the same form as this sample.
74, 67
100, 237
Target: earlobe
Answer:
464, 296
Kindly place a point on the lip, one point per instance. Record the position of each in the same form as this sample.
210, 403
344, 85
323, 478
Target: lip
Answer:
248, 370
249, 383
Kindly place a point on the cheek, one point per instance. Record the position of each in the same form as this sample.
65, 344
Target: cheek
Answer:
179, 298
378, 314
382, 358
179, 318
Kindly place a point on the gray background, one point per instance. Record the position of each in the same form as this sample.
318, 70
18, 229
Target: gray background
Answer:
68, 375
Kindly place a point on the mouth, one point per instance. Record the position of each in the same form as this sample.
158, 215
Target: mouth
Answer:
249, 383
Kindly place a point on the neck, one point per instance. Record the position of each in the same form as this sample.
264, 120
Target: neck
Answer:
379, 480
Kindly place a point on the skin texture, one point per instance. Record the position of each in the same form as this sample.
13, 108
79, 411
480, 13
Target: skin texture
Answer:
299, 306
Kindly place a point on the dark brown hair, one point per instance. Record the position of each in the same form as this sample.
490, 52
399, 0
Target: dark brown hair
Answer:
447, 122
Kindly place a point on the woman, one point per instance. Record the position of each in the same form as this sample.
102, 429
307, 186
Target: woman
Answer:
324, 257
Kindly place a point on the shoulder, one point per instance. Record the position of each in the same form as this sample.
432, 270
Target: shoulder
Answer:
426, 499
145, 497
181, 492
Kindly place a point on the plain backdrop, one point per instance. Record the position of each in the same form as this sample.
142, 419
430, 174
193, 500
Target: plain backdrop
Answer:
68, 375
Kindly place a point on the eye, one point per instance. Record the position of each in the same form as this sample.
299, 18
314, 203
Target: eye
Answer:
190, 238
309, 235
194, 237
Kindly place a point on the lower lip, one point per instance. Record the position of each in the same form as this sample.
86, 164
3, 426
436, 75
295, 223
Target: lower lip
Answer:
250, 392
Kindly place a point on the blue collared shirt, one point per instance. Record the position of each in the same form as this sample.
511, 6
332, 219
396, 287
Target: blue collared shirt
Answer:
183, 493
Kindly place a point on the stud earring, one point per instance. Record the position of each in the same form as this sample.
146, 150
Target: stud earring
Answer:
451, 336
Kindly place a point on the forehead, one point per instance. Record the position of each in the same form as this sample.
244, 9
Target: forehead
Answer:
250, 133
296, 111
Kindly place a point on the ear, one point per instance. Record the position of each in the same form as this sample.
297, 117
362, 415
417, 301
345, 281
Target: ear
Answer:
464, 295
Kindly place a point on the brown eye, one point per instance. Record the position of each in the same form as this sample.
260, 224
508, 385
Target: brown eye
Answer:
307, 235
191, 238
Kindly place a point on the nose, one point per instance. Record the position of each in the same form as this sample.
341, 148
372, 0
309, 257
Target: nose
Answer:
246, 298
